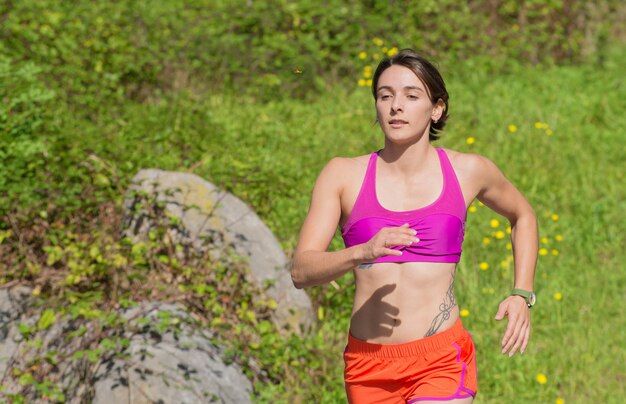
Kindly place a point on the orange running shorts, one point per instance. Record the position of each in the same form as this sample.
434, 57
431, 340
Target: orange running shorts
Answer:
439, 367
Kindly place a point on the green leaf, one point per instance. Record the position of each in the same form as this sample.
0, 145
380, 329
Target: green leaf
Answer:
48, 317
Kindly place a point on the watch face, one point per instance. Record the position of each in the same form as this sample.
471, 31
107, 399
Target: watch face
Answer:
532, 299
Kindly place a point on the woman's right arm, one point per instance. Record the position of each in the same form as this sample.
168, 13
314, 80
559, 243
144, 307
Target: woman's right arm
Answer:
312, 265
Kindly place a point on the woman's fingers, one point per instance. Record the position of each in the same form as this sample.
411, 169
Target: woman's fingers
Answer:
526, 338
512, 333
387, 238
517, 331
398, 236
518, 338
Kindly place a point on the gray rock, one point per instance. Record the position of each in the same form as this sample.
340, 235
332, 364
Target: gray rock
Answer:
13, 304
180, 365
212, 217
169, 359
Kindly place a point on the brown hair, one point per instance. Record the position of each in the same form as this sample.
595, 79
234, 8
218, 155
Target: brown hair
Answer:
428, 74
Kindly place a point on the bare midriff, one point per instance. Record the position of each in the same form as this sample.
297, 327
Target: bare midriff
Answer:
400, 302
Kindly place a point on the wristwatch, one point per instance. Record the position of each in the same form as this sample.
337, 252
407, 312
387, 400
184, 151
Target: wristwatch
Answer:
530, 297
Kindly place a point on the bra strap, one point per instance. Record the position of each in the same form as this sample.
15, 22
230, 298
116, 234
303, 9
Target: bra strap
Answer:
453, 188
369, 182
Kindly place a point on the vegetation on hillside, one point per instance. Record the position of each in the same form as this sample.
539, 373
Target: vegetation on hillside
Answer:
256, 97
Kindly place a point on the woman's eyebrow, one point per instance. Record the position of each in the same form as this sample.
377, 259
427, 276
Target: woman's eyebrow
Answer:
414, 88
405, 88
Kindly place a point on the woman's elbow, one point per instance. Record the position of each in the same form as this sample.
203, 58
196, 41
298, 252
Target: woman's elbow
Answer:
297, 276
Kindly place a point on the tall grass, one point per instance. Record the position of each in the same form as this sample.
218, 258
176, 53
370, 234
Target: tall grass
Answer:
558, 133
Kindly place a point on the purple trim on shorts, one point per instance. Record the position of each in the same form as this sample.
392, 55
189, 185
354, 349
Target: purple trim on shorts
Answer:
462, 392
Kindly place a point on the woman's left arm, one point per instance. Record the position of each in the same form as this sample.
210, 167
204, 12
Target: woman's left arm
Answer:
497, 193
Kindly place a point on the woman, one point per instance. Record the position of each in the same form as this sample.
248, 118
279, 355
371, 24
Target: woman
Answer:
402, 214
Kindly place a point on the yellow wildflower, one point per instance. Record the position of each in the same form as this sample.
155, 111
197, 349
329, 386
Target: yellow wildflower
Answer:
544, 240
492, 291
543, 251
369, 82
549, 132
392, 51
483, 291
494, 223
512, 128
484, 266
558, 237
362, 83
367, 74
464, 313
499, 234
378, 41
555, 251
472, 209
362, 55
486, 240
541, 378
471, 140
554, 217
504, 264
557, 296
538, 125
559, 401
515, 27
384, 49
480, 203
509, 246
508, 229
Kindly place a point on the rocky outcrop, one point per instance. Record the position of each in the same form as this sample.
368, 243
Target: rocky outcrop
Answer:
176, 361
168, 358
207, 217
13, 304
180, 365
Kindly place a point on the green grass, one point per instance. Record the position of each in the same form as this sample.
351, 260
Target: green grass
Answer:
270, 154
577, 342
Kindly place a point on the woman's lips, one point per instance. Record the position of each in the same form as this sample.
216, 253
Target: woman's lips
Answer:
397, 123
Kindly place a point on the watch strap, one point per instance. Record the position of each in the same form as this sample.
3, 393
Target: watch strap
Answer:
528, 296
521, 292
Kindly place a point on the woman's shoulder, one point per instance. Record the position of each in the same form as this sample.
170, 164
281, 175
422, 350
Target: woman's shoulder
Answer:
342, 170
347, 165
467, 162
472, 168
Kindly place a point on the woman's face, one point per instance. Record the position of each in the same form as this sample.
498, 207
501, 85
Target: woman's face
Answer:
403, 106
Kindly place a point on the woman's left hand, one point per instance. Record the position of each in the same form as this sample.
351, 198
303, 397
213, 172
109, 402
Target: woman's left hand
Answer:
518, 329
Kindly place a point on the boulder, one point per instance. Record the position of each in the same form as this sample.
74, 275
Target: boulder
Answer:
210, 217
169, 358
13, 304
180, 365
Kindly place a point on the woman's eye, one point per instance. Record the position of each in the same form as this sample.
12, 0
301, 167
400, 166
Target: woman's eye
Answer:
412, 97
385, 97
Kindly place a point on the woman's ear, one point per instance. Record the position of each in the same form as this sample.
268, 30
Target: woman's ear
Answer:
438, 110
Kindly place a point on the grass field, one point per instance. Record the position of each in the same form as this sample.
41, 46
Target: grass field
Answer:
92, 93
558, 133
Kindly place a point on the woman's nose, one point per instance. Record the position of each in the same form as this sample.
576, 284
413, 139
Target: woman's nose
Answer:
396, 105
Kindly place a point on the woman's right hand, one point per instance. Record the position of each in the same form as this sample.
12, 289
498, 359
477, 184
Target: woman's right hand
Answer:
381, 244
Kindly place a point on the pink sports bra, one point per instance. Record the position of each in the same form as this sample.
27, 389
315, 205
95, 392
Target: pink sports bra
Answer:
440, 226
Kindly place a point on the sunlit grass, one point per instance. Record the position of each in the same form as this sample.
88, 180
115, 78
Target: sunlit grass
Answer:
558, 135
